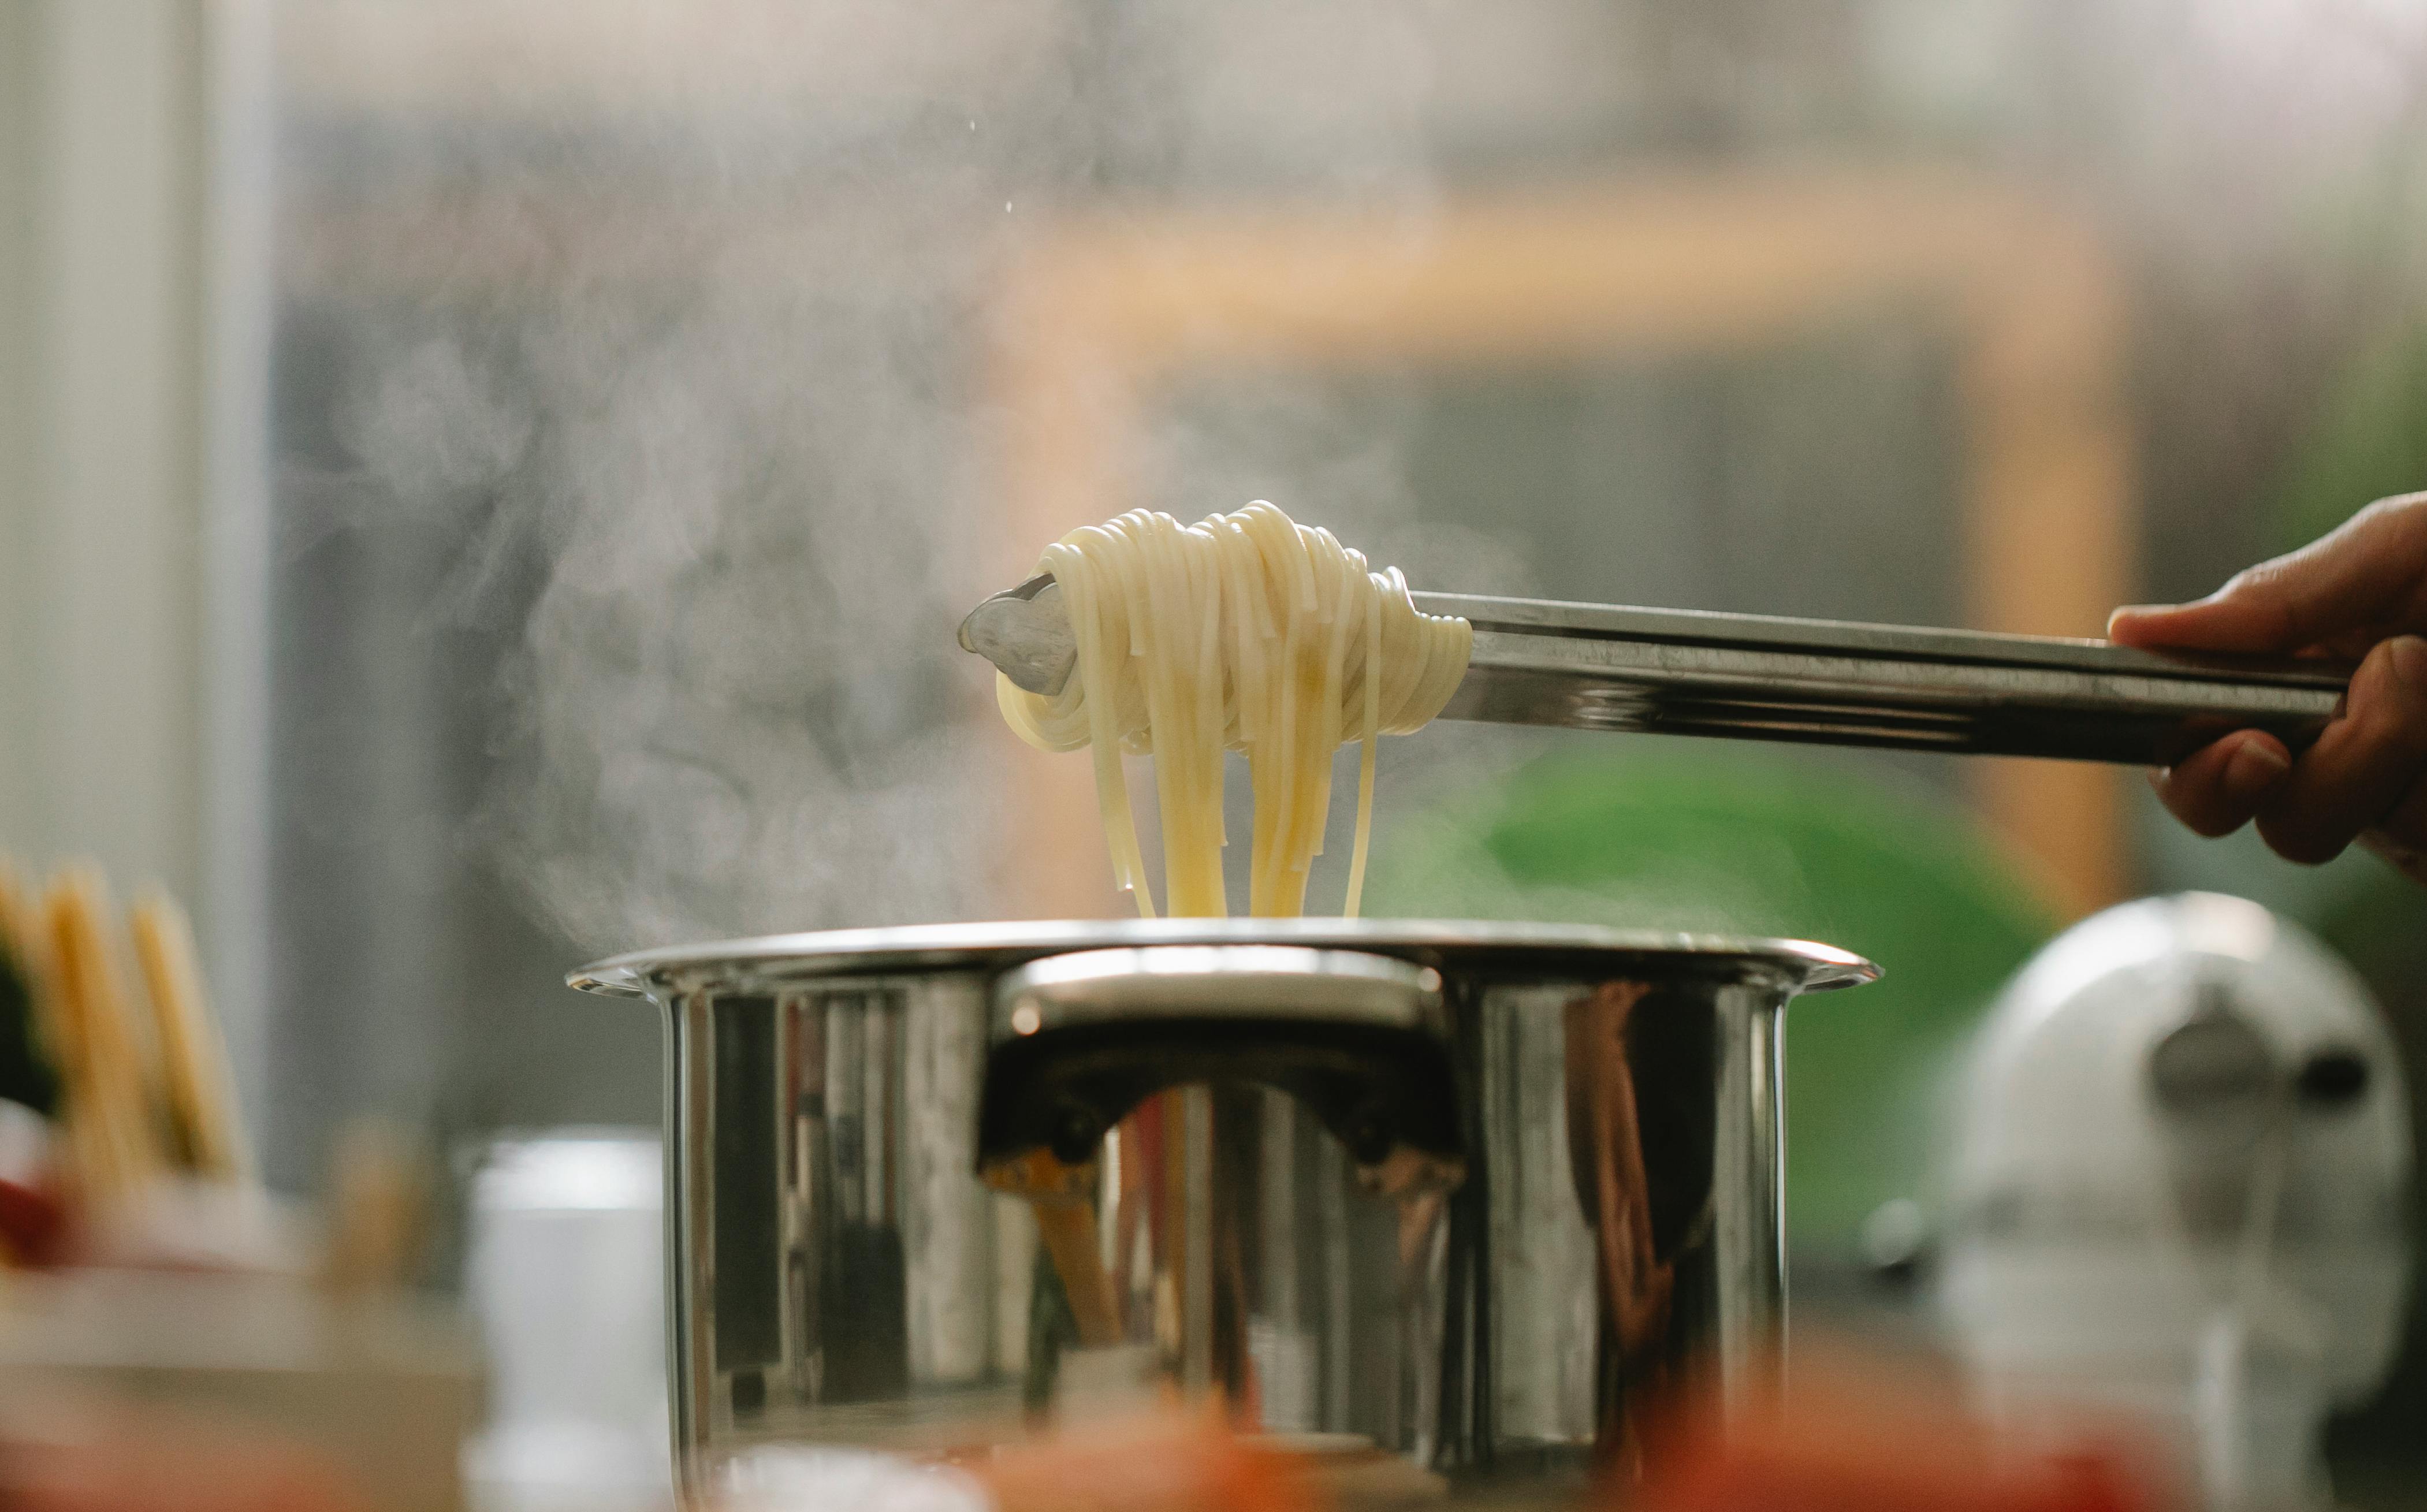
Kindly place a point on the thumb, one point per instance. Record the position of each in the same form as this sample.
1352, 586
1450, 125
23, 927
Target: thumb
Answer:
2343, 582
2234, 618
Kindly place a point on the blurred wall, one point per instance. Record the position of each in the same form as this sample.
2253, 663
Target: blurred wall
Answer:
18, 433
103, 467
116, 557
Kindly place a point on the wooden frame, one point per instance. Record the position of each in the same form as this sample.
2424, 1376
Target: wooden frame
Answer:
1102, 309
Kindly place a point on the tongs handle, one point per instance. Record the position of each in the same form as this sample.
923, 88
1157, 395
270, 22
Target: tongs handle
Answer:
1750, 677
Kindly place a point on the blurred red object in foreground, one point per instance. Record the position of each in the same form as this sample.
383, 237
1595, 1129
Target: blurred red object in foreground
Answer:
1154, 1464
33, 1224
74, 1457
33, 1217
1854, 1437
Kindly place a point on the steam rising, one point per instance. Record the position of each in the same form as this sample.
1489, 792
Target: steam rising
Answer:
714, 476
673, 359
729, 705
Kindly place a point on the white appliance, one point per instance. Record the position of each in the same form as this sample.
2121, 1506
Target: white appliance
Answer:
2179, 1195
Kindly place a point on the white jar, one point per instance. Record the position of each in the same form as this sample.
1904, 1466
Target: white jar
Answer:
566, 1275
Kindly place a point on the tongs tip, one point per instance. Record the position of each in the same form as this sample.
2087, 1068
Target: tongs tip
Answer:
1026, 634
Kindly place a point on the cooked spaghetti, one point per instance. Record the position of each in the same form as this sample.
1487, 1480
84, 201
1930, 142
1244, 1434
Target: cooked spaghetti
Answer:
1243, 632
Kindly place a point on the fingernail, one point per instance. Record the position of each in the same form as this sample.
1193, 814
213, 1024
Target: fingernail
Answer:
2255, 768
2408, 654
2130, 610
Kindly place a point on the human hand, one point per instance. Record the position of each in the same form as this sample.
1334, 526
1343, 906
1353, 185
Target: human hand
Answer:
2359, 593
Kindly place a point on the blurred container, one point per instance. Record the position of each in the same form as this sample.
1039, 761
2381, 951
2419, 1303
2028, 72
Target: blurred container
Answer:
566, 1275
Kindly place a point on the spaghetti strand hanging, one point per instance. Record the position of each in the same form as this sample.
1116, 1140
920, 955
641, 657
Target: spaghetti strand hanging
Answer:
1245, 632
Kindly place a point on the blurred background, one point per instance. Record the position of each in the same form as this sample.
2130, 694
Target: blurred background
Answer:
486, 486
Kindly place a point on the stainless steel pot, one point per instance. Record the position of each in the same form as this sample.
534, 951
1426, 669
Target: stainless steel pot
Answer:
1456, 1196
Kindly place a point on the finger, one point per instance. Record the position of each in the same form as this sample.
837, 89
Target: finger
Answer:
2217, 789
2356, 576
2364, 763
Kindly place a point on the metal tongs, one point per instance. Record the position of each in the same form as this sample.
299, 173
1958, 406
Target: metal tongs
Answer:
1758, 677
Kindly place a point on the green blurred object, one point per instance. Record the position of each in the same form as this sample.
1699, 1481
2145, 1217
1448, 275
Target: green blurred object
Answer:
2370, 440
1733, 838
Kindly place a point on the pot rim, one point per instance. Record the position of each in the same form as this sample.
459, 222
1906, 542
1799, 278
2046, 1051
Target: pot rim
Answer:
1460, 945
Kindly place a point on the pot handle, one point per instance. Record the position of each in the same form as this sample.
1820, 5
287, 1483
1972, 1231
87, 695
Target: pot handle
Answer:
1076, 1041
